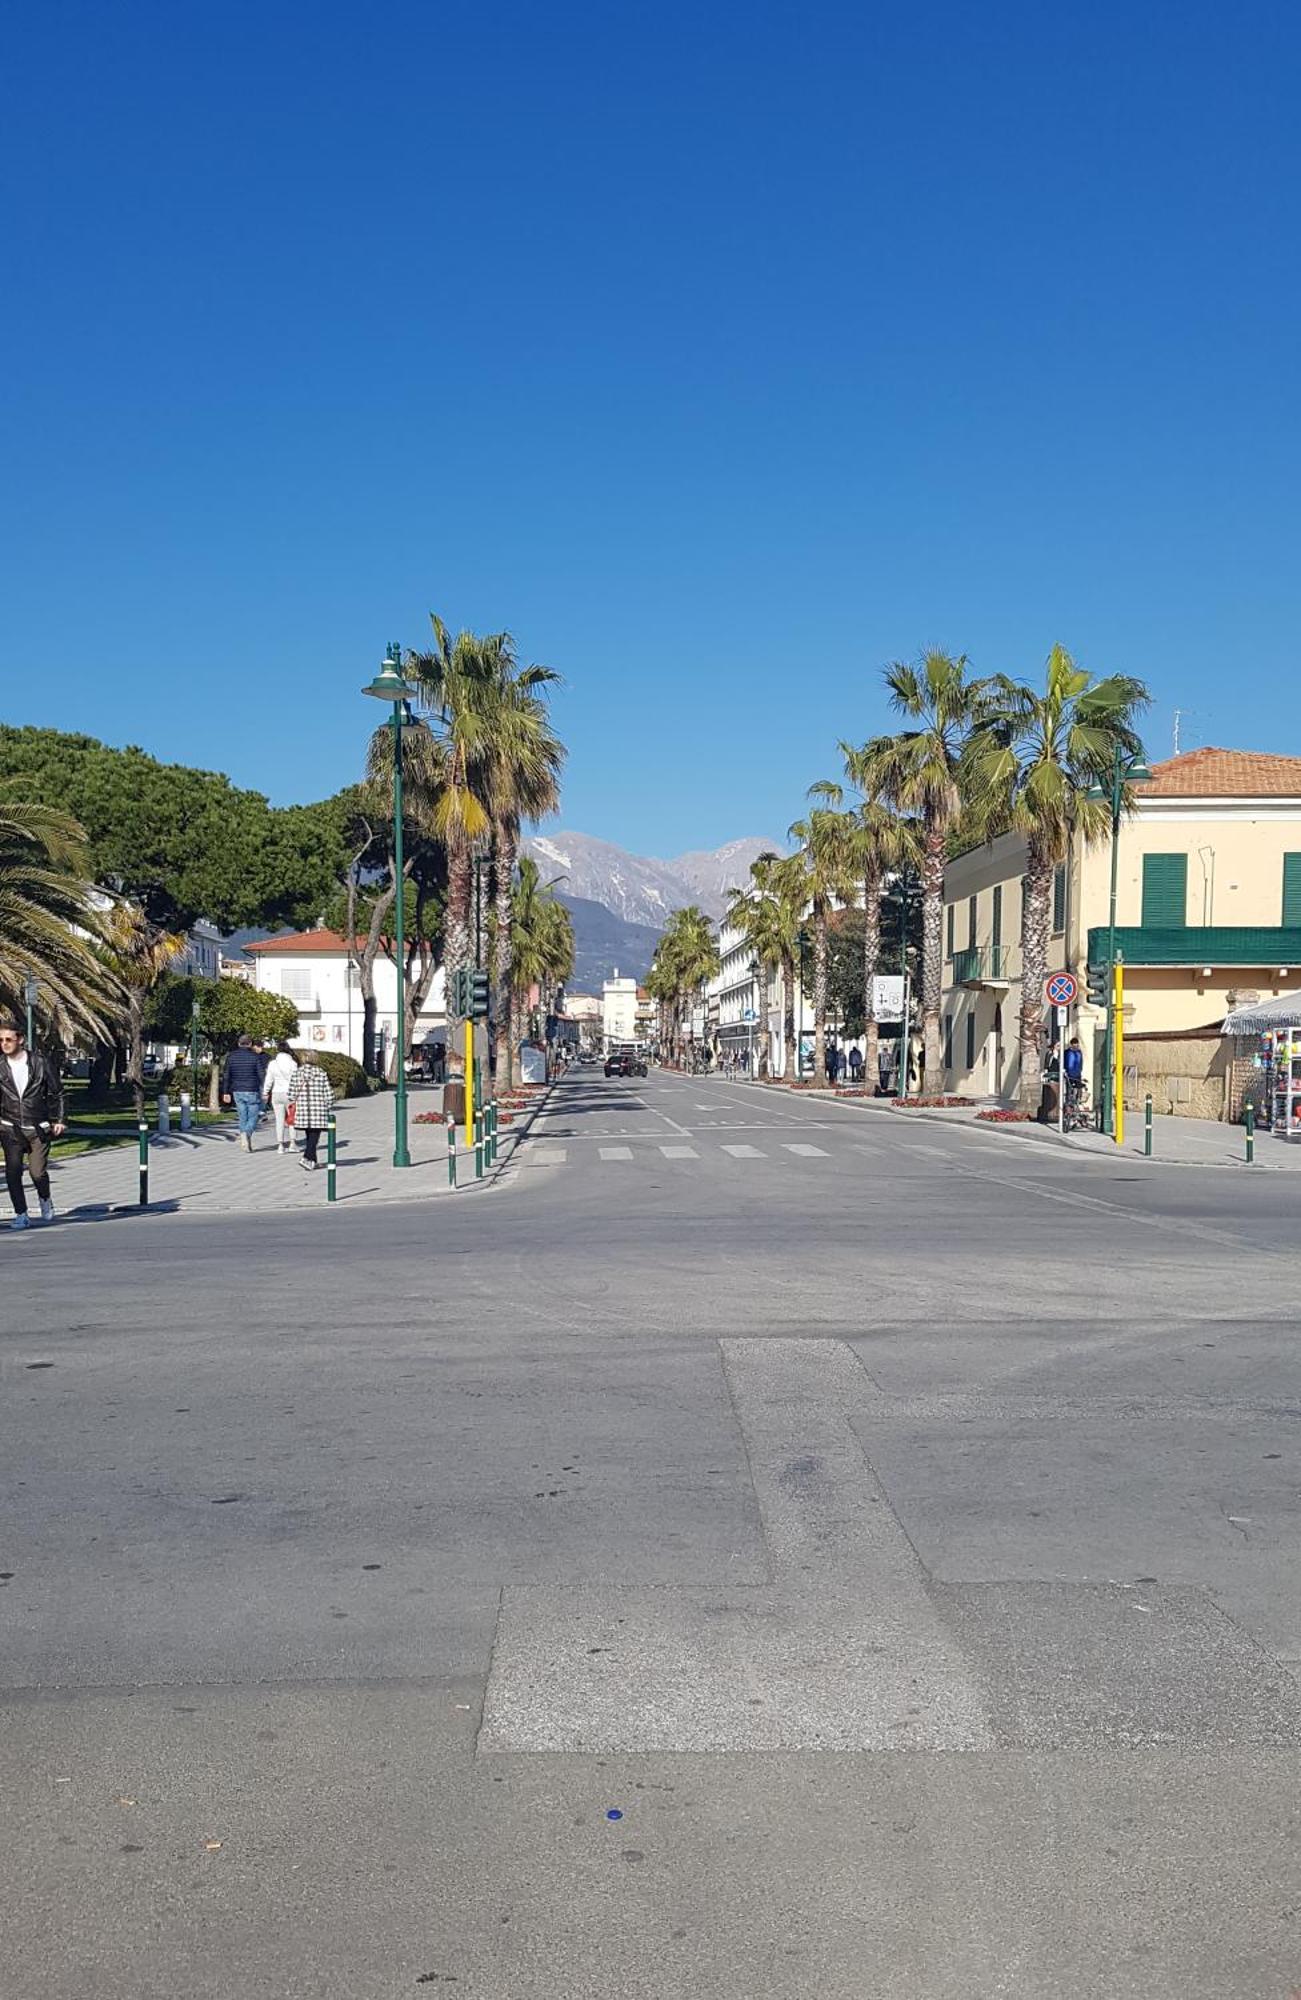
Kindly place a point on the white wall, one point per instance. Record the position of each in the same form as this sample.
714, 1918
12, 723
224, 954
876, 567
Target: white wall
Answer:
330, 1007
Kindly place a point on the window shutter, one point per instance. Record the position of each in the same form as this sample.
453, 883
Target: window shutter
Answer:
1292, 889
1059, 899
971, 923
996, 924
971, 1039
948, 939
948, 1041
1165, 891
296, 984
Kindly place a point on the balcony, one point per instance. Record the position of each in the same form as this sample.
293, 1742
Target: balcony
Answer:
981, 965
1272, 946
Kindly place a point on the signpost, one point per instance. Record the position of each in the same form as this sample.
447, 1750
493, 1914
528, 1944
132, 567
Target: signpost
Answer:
1061, 990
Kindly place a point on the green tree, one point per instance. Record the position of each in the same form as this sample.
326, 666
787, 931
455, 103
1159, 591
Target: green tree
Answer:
1029, 767
884, 843
686, 956
826, 853
228, 1008
139, 955
917, 772
48, 920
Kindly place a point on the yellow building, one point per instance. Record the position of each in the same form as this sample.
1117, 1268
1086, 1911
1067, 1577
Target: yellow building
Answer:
1208, 913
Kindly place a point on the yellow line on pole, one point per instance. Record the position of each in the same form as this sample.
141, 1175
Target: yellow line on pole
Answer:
1118, 1042
469, 1083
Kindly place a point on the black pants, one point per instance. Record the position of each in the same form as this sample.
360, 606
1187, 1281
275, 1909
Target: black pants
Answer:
311, 1140
20, 1150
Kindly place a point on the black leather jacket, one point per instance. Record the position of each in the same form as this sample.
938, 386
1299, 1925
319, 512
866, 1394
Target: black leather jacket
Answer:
42, 1101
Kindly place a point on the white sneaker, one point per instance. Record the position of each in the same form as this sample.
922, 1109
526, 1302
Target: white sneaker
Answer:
47, 1210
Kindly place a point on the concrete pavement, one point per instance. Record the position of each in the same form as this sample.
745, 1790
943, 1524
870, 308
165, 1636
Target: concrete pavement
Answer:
864, 1563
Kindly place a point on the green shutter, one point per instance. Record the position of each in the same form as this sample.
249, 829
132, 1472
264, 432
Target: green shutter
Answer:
948, 939
971, 923
1165, 891
1292, 889
948, 1041
996, 921
971, 1038
1059, 899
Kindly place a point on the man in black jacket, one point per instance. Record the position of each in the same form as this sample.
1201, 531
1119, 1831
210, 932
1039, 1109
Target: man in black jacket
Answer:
31, 1114
241, 1083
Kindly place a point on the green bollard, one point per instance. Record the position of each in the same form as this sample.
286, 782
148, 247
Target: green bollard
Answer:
1147, 1126
492, 1134
330, 1130
144, 1164
478, 1145
451, 1155
1251, 1134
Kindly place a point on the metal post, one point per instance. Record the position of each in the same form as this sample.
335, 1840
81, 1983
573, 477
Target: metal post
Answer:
144, 1164
186, 1101
194, 1049
451, 1154
330, 1175
1108, 1097
1118, 1043
1147, 1126
401, 1154
1251, 1134
469, 1081
478, 1145
164, 1113
492, 1115
1061, 1071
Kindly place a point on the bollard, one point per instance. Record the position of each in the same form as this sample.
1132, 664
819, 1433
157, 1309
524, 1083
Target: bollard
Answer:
185, 1111
144, 1164
451, 1155
492, 1134
478, 1145
1147, 1126
330, 1130
164, 1114
1251, 1134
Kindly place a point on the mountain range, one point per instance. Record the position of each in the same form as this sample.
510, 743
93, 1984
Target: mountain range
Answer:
620, 902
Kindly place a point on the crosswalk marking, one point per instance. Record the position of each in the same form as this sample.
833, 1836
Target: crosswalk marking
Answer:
550, 1156
679, 1152
616, 1152
806, 1152
745, 1152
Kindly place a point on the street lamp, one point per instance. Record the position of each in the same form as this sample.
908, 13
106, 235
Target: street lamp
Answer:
194, 1048
388, 685
1124, 771
802, 940
753, 969
31, 992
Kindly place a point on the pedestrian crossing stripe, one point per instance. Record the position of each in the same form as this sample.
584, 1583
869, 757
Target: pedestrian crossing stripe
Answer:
806, 1152
745, 1152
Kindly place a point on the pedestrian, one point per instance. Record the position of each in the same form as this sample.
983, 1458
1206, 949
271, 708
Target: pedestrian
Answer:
241, 1085
276, 1085
833, 1064
311, 1096
31, 1114
855, 1066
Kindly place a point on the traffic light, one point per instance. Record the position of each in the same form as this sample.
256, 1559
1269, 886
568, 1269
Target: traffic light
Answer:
1097, 985
478, 1008
467, 996
458, 999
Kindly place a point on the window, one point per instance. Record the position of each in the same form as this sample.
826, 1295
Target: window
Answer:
296, 984
996, 922
1292, 889
948, 1041
971, 923
1165, 891
1059, 899
948, 940
971, 1038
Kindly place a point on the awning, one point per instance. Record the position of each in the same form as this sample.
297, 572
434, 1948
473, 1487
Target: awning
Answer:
1264, 1017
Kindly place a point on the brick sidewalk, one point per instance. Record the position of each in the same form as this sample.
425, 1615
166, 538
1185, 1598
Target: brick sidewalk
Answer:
205, 1172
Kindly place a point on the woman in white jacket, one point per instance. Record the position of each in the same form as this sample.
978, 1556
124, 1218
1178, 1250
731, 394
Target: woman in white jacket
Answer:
276, 1086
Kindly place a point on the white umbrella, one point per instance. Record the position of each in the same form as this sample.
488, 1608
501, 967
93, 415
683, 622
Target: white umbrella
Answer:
1264, 1017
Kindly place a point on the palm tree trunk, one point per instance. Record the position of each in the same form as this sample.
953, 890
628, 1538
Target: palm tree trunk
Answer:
1036, 894
764, 1046
791, 1070
457, 945
871, 960
507, 846
819, 996
932, 957
135, 1062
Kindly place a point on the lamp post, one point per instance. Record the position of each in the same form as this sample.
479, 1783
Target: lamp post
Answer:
31, 992
1124, 771
388, 685
802, 940
753, 969
194, 1049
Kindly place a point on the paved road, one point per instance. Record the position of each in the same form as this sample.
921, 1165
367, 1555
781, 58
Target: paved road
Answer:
895, 1527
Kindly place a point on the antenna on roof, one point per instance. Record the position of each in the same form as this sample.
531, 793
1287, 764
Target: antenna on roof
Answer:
1178, 714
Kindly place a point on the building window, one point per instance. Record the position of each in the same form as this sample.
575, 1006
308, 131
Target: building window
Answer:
1059, 899
971, 923
1292, 889
971, 1038
948, 938
948, 1041
296, 984
996, 923
1165, 891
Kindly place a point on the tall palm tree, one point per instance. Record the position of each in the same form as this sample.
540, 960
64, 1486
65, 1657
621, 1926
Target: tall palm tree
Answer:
781, 879
884, 842
825, 837
542, 939
48, 920
917, 773
139, 954
687, 954
1029, 768
769, 922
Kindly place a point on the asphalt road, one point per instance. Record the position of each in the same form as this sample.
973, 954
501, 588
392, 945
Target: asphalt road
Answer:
763, 1547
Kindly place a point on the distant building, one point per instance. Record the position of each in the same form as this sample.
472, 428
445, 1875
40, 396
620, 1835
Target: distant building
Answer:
201, 957
314, 971
618, 1011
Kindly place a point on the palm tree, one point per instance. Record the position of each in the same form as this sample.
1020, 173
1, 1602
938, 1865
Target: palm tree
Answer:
770, 924
917, 773
884, 843
1029, 768
139, 954
687, 955
825, 837
542, 939
781, 879
48, 921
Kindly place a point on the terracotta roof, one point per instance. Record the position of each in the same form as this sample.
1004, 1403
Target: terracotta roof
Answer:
1224, 774
304, 941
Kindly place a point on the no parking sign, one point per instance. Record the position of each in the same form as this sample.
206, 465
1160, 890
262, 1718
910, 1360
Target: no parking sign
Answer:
1061, 989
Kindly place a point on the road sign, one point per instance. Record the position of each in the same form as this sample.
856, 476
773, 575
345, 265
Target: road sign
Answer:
1061, 989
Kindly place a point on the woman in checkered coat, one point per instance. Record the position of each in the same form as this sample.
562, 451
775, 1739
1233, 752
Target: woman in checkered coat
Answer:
312, 1098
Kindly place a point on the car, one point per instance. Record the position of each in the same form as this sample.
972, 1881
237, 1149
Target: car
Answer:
618, 1063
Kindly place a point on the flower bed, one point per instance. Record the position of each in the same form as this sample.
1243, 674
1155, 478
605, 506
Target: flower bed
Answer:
429, 1118
932, 1103
1001, 1116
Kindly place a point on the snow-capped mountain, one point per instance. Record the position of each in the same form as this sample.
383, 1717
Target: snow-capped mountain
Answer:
637, 887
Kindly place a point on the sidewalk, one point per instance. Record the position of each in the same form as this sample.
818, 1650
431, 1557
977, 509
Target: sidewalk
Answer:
205, 1172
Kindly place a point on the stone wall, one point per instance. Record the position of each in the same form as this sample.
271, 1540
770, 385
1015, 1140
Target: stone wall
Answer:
1187, 1076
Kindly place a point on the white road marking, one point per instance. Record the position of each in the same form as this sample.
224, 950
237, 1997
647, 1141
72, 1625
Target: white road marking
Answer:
679, 1152
745, 1152
554, 1156
616, 1152
806, 1152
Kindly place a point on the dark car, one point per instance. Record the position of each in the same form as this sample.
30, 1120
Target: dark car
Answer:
618, 1063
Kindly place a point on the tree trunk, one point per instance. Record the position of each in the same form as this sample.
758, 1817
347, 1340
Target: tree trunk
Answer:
871, 960
819, 996
366, 980
932, 958
458, 950
1036, 913
136, 1049
507, 853
764, 1045
790, 1040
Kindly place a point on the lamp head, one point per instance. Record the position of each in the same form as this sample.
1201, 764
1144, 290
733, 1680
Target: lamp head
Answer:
388, 684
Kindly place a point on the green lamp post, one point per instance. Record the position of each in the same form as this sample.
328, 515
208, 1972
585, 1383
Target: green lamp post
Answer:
194, 1050
31, 993
389, 686
1124, 771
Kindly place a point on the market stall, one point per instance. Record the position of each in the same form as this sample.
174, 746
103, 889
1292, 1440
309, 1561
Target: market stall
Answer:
1268, 1034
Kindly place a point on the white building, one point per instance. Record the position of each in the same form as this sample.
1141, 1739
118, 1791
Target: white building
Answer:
201, 958
312, 969
619, 1011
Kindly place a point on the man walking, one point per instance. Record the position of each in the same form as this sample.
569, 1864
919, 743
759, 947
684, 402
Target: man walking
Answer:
241, 1084
31, 1114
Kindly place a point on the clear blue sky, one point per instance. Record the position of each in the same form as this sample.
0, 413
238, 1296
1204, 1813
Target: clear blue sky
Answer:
722, 353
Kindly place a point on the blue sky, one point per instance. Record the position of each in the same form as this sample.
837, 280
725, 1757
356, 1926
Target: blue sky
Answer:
721, 353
